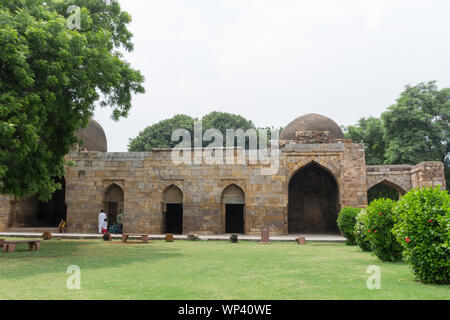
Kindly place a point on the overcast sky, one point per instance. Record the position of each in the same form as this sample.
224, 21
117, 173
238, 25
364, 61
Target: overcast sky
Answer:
272, 61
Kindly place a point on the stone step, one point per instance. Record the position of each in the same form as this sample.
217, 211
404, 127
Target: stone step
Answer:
40, 230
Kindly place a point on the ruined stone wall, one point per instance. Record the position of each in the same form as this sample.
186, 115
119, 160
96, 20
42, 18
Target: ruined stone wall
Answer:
429, 173
353, 183
405, 177
395, 176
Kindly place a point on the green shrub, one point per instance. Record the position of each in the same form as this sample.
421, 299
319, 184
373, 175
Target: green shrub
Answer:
423, 228
379, 222
346, 222
361, 230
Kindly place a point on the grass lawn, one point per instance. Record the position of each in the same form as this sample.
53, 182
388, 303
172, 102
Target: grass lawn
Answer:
204, 270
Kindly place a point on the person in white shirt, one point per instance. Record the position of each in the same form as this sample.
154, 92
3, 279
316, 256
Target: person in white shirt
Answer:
102, 222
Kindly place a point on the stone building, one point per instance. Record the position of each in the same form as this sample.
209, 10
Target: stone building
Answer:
318, 173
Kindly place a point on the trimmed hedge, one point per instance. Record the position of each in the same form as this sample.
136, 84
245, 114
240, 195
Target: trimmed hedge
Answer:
379, 222
361, 230
346, 222
423, 229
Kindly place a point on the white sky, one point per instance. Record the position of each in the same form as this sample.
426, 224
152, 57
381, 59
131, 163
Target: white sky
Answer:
272, 61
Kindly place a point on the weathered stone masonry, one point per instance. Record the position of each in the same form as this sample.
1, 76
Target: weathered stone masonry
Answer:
140, 180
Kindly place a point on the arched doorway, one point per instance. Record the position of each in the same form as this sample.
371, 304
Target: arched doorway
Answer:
113, 203
233, 205
384, 189
173, 210
34, 213
313, 201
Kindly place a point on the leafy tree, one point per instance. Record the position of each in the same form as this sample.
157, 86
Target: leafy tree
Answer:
417, 127
159, 135
369, 131
222, 121
51, 77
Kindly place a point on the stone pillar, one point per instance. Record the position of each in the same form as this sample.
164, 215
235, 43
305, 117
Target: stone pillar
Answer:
353, 186
5, 205
429, 173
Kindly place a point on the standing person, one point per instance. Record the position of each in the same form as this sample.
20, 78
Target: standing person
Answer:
102, 222
119, 217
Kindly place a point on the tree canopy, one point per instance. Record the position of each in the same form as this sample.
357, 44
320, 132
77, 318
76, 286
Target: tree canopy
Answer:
159, 134
369, 131
415, 129
51, 79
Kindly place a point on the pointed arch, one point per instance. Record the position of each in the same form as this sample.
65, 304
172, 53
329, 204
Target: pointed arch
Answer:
313, 200
233, 194
172, 210
389, 183
332, 171
384, 189
233, 209
172, 194
113, 203
114, 192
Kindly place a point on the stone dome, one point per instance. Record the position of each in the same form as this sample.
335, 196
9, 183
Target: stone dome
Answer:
312, 122
93, 137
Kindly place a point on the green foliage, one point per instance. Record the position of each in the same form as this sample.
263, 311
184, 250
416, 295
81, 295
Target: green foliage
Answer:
51, 77
382, 190
379, 222
423, 229
361, 231
417, 127
159, 134
369, 131
346, 222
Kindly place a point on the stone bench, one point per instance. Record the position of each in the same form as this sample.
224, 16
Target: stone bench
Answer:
144, 237
10, 246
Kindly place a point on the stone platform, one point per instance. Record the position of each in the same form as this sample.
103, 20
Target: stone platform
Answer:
218, 237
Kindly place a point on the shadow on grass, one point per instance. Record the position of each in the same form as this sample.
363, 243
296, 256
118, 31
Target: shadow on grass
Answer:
56, 255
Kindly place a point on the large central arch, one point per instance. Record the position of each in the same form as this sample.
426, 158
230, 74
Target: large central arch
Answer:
313, 201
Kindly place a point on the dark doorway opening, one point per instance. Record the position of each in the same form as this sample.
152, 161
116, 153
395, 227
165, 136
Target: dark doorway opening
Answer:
234, 218
33, 213
383, 190
174, 218
113, 211
50, 213
313, 201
